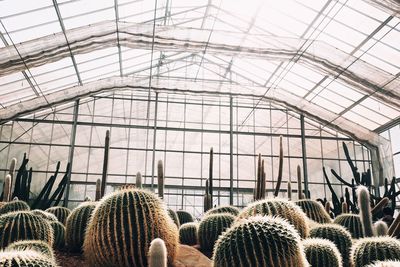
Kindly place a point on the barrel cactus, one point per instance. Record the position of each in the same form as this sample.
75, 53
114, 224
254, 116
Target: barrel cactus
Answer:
61, 213
15, 205
224, 209
23, 225
188, 233
262, 241
322, 253
211, 227
352, 223
174, 217
36, 245
132, 218
338, 235
45, 215
76, 225
314, 210
27, 258
385, 264
184, 217
370, 249
282, 208
59, 234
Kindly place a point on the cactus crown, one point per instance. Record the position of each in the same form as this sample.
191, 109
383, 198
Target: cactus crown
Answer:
188, 233
352, 223
60, 212
184, 217
211, 227
314, 210
370, 249
45, 215
224, 209
322, 253
36, 245
15, 205
25, 258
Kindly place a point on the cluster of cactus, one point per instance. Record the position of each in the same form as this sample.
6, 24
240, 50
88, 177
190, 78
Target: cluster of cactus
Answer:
368, 250
61, 213
76, 225
211, 227
132, 218
158, 253
208, 195
322, 253
352, 222
36, 245
15, 205
314, 210
282, 208
224, 209
184, 217
174, 217
25, 258
188, 234
260, 241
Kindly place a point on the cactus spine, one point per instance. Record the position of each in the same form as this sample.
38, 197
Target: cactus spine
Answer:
352, 223
36, 245
160, 179
224, 209
25, 259
385, 264
132, 218
7, 188
98, 190
260, 241
299, 190
322, 253
211, 227
15, 205
370, 249
380, 228
280, 170
184, 217
61, 213
59, 234
138, 180
365, 211
314, 210
157, 253
188, 234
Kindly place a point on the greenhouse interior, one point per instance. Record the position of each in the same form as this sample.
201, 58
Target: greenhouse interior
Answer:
200, 133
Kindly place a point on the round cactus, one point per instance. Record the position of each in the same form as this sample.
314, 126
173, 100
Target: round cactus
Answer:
385, 264
36, 245
188, 233
15, 205
211, 227
352, 223
260, 241
370, 249
59, 234
76, 225
338, 235
45, 215
132, 218
174, 217
282, 208
224, 209
314, 210
61, 213
23, 225
322, 253
27, 258
184, 217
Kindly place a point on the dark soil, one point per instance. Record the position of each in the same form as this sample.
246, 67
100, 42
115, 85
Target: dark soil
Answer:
68, 259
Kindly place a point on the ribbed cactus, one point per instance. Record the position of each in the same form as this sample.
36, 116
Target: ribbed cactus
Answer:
23, 225
28, 258
224, 209
211, 227
338, 235
260, 241
314, 210
184, 217
15, 205
36, 245
188, 234
45, 215
138, 180
132, 219
365, 211
7, 188
61, 213
282, 208
59, 234
174, 217
158, 253
76, 226
322, 253
385, 264
352, 222
160, 179
370, 249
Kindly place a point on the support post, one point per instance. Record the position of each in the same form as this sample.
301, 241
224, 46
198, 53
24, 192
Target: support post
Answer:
304, 153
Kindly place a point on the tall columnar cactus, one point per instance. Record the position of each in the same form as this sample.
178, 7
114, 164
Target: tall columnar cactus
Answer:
211, 175
259, 190
352, 222
188, 234
98, 190
7, 188
338, 235
138, 180
132, 218
322, 253
299, 181
160, 179
370, 249
345, 208
174, 217
314, 210
380, 228
158, 253
365, 211
36, 245
289, 190
224, 209
260, 241
280, 169
211, 227
184, 217
76, 225
61, 213
26, 258
207, 198
13, 165
23, 225
50, 217
15, 205
59, 234
282, 208
105, 163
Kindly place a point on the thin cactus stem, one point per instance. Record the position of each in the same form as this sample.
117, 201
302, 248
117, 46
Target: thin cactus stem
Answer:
280, 170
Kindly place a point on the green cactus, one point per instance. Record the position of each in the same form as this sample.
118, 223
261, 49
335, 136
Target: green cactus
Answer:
174, 217
76, 226
188, 233
36, 245
260, 241
352, 222
184, 217
61, 213
338, 235
314, 210
370, 249
45, 215
385, 264
224, 209
15, 205
132, 218
27, 258
322, 253
158, 253
23, 225
211, 227
282, 208
58, 233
